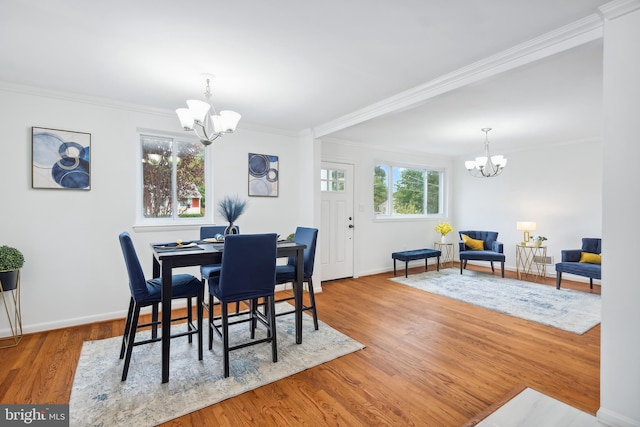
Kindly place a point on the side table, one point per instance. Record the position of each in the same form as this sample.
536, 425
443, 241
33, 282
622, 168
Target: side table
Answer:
447, 252
530, 260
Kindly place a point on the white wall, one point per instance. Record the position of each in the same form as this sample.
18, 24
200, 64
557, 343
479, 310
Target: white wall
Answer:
558, 186
376, 239
620, 345
74, 271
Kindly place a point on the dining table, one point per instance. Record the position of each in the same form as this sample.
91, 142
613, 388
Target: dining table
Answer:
166, 257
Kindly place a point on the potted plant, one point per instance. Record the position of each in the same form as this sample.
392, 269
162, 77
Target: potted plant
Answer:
537, 240
231, 208
443, 229
11, 261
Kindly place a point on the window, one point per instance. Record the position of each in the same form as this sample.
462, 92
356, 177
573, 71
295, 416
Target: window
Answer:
332, 180
173, 179
407, 191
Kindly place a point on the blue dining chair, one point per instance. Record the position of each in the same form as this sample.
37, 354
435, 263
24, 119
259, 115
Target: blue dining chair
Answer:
287, 273
248, 273
207, 232
211, 270
146, 293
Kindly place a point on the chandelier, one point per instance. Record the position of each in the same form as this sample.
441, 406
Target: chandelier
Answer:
202, 119
486, 166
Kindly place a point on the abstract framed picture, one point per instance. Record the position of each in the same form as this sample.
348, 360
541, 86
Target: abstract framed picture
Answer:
263, 175
61, 159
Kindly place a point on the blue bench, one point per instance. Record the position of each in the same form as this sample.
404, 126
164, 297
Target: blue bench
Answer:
407, 256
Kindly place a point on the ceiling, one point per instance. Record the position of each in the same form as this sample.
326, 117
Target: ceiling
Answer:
295, 65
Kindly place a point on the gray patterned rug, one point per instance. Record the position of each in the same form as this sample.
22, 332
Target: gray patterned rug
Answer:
565, 309
99, 398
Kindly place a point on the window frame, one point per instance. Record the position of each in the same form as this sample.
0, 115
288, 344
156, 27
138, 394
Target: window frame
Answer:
141, 220
442, 194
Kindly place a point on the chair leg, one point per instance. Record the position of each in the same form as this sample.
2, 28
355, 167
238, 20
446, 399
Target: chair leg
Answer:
492, 269
210, 321
189, 319
253, 308
127, 325
502, 268
590, 282
130, 340
154, 320
461, 266
272, 327
558, 279
225, 337
312, 299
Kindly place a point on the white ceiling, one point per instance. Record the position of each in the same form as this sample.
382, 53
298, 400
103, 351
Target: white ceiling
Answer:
295, 65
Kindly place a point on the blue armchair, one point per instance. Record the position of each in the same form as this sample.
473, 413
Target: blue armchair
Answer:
491, 251
571, 261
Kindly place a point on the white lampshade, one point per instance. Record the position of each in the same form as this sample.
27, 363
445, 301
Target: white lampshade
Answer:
186, 118
526, 225
199, 110
229, 120
481, 162
470, 164
216, 121
499, 160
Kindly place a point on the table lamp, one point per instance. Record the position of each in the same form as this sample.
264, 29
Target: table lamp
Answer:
527, 226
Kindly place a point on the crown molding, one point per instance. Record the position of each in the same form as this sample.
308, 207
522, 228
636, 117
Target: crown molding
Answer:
564, 38
618, 8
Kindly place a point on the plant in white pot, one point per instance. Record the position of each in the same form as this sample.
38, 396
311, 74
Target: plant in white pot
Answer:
11, 261
231, 208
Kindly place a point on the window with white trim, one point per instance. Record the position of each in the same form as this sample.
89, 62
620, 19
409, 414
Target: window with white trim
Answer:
407, 191
173, 184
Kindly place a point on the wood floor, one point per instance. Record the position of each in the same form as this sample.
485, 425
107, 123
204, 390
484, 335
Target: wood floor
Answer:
428, 361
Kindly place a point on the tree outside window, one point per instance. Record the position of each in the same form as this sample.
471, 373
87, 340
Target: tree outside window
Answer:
409, 191
173, 183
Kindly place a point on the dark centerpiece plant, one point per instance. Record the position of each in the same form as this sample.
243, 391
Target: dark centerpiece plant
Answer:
11, 261
231, 208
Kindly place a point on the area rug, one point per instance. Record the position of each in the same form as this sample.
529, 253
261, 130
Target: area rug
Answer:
565, 309
99, 398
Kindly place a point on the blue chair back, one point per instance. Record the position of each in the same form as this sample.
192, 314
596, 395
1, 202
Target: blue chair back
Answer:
592, 245
248, 267
137, 281
309, 237
487, 236
209, 231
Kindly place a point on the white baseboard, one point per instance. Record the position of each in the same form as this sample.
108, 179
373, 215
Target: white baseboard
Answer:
611, 418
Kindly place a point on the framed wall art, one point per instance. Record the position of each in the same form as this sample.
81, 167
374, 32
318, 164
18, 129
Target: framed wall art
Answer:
61, 159
263, 175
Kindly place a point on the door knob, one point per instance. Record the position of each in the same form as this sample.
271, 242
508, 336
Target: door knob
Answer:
351, 226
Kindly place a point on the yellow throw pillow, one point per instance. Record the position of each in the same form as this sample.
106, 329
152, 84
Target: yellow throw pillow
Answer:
473, 244
590, 258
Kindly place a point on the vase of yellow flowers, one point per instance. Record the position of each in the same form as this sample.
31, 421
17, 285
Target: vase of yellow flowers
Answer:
443, 228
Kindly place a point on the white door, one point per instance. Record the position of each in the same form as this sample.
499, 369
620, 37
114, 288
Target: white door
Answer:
337, 222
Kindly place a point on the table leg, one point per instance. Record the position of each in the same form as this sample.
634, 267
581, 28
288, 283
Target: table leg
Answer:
166, 319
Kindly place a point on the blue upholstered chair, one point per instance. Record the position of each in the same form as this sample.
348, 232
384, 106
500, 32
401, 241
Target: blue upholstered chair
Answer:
492, 251
571, 261
207, 232
248, 273
287, 273
146, 293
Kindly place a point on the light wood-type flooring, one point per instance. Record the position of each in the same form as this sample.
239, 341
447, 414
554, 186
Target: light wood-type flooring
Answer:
428, 361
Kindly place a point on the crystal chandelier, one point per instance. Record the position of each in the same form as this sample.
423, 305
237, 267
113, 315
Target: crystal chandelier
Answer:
486, 166
202, 119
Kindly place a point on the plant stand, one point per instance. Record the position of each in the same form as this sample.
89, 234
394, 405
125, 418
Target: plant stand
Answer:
11, 303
